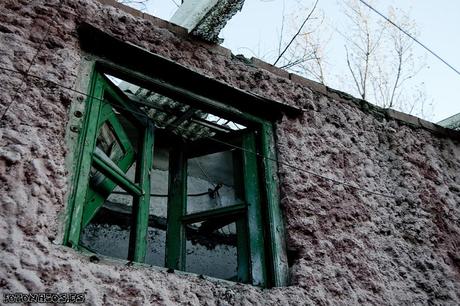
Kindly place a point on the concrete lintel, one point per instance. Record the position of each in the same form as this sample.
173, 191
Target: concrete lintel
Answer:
453, 122
206, 18
191, 12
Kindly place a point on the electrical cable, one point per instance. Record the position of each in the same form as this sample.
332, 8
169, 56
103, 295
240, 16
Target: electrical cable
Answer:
173, 1
215, 194
409, 35
221, 142
204, 172
156, 195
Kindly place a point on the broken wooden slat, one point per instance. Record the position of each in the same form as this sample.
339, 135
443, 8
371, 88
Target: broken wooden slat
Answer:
97, 194
109, 169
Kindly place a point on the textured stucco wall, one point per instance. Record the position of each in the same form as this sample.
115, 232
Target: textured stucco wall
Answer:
346, 246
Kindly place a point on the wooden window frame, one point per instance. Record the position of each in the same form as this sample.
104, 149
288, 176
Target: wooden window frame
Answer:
261, 254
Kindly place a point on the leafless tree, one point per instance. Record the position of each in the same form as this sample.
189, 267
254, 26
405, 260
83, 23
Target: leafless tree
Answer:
312, 61
379, 58
362, 47
303, 52
281, 53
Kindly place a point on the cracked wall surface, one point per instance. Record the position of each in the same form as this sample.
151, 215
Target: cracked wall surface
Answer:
345, 246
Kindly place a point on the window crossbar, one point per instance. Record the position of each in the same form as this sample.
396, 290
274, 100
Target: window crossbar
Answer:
232, 210
114, 173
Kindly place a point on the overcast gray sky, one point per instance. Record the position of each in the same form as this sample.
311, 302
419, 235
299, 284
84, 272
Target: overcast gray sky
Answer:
255, 32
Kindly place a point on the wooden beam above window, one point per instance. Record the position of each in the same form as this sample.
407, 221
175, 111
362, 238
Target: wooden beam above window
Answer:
156, 71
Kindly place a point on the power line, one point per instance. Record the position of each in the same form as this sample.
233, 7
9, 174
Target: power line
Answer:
210, 192
409, 35
173, 1
217, 140
304, 170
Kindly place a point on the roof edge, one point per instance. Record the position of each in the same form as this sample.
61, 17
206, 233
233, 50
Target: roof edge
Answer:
316, 87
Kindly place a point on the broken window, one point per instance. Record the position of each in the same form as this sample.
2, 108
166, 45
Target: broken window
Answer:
167, 183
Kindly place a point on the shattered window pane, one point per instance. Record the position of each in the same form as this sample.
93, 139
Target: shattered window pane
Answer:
108, 232
213, 252
213, 173
108, 143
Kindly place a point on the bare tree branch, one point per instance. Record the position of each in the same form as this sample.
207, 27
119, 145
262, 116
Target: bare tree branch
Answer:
297, 33
397, 79
379, 58
280, 41
351, 70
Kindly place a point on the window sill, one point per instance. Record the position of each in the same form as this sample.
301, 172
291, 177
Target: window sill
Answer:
116, 262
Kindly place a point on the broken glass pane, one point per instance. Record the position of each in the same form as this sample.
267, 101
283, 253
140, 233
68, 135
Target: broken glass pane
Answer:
108, 232
211, 182
212, 253
108, 143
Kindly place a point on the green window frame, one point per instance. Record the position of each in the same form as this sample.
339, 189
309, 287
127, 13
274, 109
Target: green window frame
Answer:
260, 232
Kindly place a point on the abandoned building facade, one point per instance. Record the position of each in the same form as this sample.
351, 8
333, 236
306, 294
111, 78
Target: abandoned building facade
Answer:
142, 165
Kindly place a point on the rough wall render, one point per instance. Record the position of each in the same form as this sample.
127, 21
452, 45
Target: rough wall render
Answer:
346, 246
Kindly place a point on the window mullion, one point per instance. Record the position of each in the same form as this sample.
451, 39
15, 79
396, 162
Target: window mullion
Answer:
278, 257
242, 250
255, 221
177, 201
141, 204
